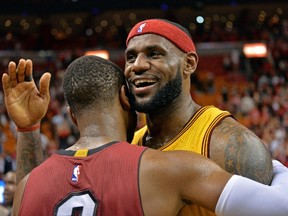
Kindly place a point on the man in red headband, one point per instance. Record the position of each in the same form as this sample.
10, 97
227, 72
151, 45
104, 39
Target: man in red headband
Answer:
160, 58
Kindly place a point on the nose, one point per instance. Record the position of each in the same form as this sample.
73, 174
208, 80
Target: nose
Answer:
141, 64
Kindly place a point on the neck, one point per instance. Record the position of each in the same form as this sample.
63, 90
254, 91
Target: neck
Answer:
97, 131
163, 126
91, 142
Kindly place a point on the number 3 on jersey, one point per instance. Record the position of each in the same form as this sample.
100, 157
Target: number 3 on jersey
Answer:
77, 204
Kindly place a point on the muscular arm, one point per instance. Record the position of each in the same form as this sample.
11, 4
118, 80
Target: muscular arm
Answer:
174, 177
169, 180
239, 151
29, 153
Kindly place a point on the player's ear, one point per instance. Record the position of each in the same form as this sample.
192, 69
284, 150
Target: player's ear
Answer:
72, 115
191, 63
124, 99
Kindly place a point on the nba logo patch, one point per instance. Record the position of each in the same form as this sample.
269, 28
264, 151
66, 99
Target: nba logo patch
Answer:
76, 173
140, 29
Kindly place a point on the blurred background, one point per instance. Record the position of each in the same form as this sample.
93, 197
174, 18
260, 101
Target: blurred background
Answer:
242, 46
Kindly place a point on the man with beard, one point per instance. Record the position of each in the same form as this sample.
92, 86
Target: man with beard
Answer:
160, 58
102, 175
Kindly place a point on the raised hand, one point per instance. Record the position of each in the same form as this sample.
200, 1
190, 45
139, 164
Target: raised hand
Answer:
26, 105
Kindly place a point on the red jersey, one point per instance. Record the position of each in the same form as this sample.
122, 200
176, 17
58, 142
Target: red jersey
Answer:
105, 182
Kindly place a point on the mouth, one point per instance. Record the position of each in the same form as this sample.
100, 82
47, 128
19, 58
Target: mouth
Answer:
142, 83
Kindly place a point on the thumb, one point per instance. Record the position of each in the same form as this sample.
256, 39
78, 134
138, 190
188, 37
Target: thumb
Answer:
44, 85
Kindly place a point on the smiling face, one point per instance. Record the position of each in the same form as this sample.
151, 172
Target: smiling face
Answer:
153, 69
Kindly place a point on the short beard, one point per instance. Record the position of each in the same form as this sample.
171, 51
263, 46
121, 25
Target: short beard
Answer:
164, 97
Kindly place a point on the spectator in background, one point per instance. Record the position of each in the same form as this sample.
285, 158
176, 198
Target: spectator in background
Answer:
247, 103
6, 163
9, 191
7, 140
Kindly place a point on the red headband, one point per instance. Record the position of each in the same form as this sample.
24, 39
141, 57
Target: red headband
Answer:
171, 32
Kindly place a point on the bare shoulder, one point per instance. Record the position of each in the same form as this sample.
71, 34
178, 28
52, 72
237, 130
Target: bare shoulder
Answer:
18, 195
239, 151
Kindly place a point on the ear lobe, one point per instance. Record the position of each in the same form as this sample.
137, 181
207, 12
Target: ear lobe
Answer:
124, 100
191, 63
72, 115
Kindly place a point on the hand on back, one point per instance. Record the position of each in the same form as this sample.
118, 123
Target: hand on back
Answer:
26, 105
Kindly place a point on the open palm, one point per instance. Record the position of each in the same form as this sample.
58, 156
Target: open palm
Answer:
26, 105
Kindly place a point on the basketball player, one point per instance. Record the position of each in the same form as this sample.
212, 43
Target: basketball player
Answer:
160, 59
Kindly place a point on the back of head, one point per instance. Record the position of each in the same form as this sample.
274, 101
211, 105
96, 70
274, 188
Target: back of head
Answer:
91, 81
174, 32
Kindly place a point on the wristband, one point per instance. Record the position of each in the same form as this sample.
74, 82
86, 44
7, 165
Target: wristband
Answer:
28, 129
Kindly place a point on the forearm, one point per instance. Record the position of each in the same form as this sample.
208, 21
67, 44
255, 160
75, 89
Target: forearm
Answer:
244, 197
29, 153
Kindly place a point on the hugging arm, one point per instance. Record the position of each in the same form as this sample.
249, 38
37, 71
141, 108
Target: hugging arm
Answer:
242, 196
236, 195
201, 181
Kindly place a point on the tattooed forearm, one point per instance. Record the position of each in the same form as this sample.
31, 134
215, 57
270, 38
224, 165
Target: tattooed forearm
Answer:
245, 154
29, 153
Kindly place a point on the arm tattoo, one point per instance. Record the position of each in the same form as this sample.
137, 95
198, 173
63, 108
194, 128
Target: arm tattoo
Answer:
29, 153
245, 154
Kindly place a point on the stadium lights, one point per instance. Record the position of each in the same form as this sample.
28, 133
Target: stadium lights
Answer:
255, 50
101, 53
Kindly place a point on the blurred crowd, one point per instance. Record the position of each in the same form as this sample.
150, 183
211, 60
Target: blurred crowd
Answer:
254, 90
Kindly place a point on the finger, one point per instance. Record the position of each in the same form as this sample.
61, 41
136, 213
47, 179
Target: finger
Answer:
29, 70
21, 70
44, 85
6, 84
12, 74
